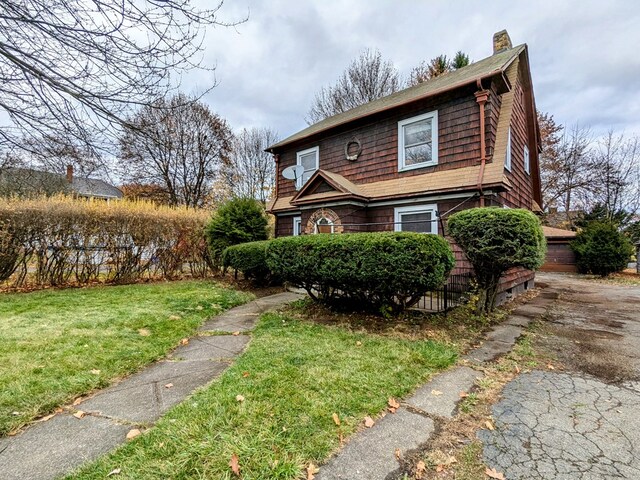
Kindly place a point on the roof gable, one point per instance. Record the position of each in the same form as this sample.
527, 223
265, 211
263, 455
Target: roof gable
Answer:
325, 185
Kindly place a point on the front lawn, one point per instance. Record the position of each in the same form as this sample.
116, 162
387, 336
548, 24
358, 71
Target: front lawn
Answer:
274, 407
59, 344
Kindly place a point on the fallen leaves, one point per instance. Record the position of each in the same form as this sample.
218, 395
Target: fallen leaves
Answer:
234, 463
358, 343
517, 369
168, 385
421, 468
115, 471
442, 466
493, 473
368, 422
144, 332
239, 398
489, 425
133, 433
235, 334
311, 471
398, 454
464, 394
436, 393
174, 317
184, 341
336, 419
245, 374
79, 414
95, 371
393, 405
550, 367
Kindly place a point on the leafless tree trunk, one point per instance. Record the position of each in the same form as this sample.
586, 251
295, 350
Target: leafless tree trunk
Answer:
367, 78
250, 171
178, 144
76, 69
616, 178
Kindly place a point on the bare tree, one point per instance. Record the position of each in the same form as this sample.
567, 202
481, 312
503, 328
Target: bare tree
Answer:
566, 166
367, 78
250, 171
78, 68
616, 181
178, 144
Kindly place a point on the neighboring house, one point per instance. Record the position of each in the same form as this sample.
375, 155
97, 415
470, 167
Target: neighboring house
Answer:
26, 181
407, 161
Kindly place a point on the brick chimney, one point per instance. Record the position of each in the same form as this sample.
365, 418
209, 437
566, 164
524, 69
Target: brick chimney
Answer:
501, 42
69, 173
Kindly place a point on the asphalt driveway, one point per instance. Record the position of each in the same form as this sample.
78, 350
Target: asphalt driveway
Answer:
582, 422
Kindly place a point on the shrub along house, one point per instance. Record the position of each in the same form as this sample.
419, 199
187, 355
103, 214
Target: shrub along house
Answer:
407, 161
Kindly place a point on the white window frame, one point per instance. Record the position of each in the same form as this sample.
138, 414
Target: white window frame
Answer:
434, 141
330, 223
299, 154
527, 160
429, 208
507, 157
297, 221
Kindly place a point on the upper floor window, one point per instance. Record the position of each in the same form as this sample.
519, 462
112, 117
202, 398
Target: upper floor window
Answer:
418, 141
507, 158
309, 159
527, 162
416, 218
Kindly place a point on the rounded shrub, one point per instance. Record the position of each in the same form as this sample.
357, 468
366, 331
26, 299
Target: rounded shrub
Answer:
374, 270
601, 249
237, 221
495, 240
250, 259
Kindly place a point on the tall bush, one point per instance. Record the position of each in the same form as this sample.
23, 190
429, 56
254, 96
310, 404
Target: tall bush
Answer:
496, 240
601, 249
375, 270
239, 220
64, 240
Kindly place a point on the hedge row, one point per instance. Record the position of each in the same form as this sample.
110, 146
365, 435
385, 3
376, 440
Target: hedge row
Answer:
60, 240
249, 258
379, 270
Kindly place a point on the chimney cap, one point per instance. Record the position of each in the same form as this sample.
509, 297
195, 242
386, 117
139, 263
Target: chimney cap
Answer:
501, 41
69, 173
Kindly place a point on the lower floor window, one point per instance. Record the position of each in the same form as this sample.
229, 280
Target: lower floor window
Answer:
416, 218
324, 226
297, 226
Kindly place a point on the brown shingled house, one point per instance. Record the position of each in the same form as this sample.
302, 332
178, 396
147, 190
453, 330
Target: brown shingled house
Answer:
408, 160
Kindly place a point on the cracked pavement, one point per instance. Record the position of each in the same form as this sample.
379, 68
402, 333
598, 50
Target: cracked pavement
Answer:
581, 424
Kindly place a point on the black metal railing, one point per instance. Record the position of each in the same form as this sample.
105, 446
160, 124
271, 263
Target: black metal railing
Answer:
453, 293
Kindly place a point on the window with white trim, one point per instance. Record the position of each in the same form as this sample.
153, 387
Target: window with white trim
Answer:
324, 225
416, 218
507, 157
297, 226
310, 160
418, 141
527, 162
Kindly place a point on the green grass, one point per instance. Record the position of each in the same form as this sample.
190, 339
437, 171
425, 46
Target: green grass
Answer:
299, 374
59, 344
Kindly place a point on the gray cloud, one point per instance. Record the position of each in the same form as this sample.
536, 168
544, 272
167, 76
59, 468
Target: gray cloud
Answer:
584, 54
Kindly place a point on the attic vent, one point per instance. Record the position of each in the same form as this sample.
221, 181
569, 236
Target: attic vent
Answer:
501, 41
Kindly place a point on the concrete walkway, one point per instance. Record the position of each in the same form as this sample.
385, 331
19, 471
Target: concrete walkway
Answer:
53, 448
372, 454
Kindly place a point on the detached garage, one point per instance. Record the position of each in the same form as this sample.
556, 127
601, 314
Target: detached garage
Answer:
560, 257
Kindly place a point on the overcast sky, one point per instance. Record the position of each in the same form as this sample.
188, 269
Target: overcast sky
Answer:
585, 55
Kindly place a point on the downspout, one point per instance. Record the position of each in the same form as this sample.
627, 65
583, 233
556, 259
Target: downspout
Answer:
276, 158
482, 96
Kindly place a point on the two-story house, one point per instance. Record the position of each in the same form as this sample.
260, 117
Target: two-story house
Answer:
407, 161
